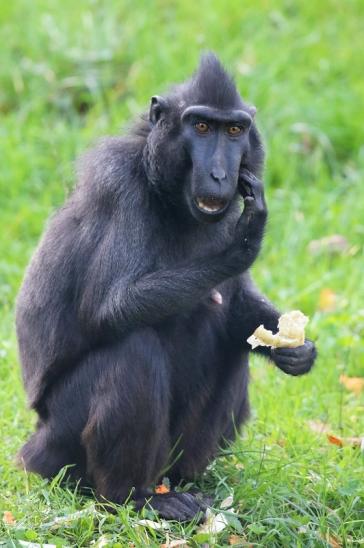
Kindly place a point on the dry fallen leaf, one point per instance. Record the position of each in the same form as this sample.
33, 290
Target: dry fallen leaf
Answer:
334, 542
162, 489
214, 523
354, 384
322, 428
8, 518
335, 440
327, 300
351, 441
235, 540
330, 244
227, 503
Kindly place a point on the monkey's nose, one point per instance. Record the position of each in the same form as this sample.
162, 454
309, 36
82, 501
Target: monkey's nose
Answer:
218, 174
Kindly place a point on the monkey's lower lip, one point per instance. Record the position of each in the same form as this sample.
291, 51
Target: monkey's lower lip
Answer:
211, 204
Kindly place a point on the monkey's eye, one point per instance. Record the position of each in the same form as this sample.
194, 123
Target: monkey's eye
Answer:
202, 127
234, 130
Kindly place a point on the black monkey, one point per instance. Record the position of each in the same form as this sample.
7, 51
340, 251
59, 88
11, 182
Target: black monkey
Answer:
134, 313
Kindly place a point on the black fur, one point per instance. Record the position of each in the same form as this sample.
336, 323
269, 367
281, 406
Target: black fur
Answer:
125, 353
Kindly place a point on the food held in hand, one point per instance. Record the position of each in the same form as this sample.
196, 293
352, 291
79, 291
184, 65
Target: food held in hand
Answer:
291, 332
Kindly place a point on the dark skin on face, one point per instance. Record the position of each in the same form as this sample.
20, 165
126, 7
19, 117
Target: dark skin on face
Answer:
134, 314
215, 141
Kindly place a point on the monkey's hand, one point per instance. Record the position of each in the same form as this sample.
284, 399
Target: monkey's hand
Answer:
251, 187
250, 227
295, 361
253, 218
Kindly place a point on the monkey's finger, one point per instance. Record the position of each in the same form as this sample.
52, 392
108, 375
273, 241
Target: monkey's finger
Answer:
248, 180
189, 507
249, 177
249, 201
294, 363
289, 355
245, 189
300, 352
177, 506
256, 192
296, 371
244, 221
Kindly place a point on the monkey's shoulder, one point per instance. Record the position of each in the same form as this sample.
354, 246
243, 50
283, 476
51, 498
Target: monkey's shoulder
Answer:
110, 168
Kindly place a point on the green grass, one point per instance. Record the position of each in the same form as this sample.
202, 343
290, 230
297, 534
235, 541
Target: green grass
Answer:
73, 71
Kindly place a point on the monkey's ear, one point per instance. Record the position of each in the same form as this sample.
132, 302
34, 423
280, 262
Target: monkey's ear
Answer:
157, 106
252, 110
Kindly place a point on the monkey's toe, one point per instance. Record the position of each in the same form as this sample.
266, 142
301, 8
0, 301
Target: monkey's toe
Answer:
176, 506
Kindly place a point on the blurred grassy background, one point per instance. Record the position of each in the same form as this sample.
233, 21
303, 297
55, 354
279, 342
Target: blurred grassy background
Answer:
72, 72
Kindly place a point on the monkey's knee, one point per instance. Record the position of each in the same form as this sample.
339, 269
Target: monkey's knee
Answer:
34, 457
43, 456
125, 456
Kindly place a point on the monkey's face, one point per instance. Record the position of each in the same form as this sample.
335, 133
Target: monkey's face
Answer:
215, 142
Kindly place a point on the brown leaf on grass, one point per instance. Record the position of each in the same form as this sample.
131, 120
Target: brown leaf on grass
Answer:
321, 428
333, 542
8, 518
162, 489
334, 244
350, 441
335, 440
354, 384
327, 300
236, 540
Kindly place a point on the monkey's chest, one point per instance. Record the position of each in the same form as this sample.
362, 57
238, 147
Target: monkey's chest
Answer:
203, 366
197, 343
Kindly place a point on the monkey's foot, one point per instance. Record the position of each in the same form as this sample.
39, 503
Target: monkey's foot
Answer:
175, 506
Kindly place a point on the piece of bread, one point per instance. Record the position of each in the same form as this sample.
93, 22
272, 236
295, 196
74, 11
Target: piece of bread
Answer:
291, 332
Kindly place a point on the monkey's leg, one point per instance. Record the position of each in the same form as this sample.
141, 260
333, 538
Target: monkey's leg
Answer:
239, 398
45, 454
212, 423
127, 435
56, 442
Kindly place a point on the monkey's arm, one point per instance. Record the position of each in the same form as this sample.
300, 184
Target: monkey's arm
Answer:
134, 301
249, 309
155, 296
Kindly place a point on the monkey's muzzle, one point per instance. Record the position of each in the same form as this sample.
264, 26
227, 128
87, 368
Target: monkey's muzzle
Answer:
211, 204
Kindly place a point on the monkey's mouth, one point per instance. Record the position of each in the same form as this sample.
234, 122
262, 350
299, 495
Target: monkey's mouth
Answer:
210, 204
